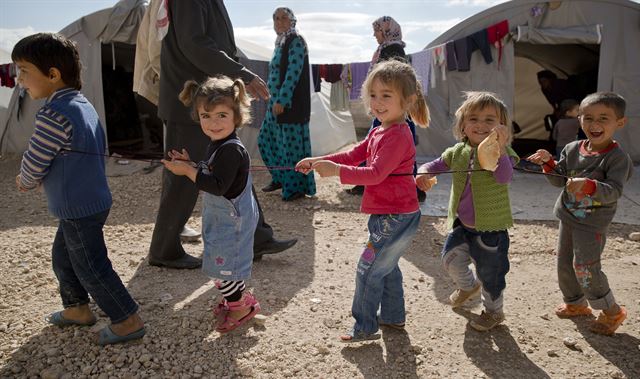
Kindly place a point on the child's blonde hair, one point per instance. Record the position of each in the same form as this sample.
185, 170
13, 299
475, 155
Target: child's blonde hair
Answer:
475, 101
218, 90
401, 77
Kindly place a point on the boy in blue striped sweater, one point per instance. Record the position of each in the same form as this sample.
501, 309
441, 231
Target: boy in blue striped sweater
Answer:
76, 187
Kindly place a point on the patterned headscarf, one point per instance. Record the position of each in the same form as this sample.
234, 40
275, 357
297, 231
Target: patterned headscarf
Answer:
391, 35
292, 30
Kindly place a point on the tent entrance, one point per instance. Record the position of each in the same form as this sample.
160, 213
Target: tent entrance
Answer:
576, 67
133, 127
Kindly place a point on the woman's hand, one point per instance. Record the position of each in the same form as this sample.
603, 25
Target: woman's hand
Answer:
305, 165
277, 109
326, 168
540, 157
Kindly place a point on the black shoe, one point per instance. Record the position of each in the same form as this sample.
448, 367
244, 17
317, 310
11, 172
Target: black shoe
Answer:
421, 195
272, 247
185, 262
272, 187
295, 196
357, 190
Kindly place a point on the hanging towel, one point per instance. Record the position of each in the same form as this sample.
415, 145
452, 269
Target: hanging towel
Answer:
438, 59
495, 35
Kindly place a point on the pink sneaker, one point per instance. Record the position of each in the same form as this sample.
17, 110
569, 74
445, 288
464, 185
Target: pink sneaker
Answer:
226, 323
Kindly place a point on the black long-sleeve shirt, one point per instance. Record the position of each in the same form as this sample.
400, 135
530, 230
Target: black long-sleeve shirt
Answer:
228, 172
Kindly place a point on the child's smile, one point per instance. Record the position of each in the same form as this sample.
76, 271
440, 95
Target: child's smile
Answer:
479, 123
600, 123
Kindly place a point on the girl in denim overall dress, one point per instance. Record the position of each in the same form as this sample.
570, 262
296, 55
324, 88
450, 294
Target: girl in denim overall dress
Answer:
391, 91
230, 212
479, 207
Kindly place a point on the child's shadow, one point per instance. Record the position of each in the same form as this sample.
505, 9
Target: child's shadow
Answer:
424, 254
400, 359
620, 349
497, 354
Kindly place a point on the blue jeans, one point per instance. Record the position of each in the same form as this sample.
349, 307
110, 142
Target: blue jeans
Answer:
378, 277
489, 251
80, 262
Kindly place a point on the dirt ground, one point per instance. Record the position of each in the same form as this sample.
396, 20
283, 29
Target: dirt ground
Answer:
306, 295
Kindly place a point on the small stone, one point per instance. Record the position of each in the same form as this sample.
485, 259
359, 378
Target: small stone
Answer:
552, 353
635, 236
545, 317
260, 320
315, 300
570, 342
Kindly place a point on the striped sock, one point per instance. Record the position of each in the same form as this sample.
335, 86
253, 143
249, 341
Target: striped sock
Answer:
231, 290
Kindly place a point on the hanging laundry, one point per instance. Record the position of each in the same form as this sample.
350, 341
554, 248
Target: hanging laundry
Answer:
339, 97
8, 72
438, 60
462, 54
330, 72
359, 72
495, 35
315, 75
452, 62
421, 63
479, 40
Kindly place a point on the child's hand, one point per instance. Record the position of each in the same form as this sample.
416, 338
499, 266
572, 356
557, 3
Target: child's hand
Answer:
326, 168
178, 167
574, 185
179, 155
503, 137
425, 182
305, 166
540, 157
19, 184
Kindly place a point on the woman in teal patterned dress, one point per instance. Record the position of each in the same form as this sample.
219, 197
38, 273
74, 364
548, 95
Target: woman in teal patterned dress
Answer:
284, 135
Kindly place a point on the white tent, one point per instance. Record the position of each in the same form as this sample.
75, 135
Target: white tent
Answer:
568, 37
101, 34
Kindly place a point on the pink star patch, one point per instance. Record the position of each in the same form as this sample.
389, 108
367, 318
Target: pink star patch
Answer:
219, 261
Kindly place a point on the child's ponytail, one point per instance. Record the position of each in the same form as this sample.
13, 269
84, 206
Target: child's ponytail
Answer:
419, 111
243, 101
188, 93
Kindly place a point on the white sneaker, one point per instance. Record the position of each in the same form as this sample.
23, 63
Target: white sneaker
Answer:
189, 235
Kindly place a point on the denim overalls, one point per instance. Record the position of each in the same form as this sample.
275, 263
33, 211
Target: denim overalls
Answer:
228, 227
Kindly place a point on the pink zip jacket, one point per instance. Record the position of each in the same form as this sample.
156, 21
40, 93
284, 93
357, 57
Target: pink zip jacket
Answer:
385, 151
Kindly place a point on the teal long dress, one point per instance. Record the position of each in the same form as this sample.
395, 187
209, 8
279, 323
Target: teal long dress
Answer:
284, 144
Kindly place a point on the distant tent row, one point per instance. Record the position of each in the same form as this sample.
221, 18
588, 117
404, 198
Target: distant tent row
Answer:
106, 41
570, 38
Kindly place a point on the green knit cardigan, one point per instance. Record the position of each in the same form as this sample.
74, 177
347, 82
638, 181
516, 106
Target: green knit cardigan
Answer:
490, 199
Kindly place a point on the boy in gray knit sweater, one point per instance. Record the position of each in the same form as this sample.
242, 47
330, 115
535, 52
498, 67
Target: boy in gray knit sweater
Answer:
595, 172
